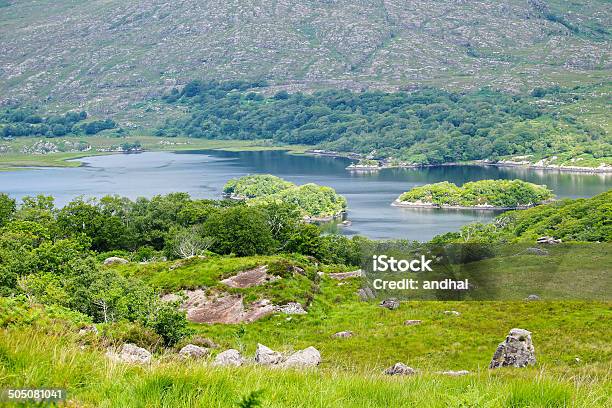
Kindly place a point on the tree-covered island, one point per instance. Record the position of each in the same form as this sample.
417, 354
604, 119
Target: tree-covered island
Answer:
482, 194
315, 203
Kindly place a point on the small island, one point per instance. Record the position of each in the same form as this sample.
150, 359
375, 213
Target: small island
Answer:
479, 195
316, 203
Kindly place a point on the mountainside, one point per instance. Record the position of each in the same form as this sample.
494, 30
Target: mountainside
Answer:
103, 55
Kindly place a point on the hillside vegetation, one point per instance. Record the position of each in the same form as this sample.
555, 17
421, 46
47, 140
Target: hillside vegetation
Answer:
426, 126
106, 55
583, 219
495, 193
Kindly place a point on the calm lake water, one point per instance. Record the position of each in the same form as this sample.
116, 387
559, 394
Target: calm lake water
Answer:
369, 195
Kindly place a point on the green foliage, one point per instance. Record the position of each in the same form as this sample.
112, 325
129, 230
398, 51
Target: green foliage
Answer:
584, 219
497, 193
251, 400
426, 126
170, 323
240, 230
7, 208
311, 199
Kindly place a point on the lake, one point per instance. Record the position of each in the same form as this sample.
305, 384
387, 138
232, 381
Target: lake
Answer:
369, 195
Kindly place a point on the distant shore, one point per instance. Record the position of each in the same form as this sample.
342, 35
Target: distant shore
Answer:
408, 204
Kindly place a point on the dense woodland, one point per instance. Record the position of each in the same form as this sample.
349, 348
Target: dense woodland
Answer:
310, 199
497, 193
22, 121
427, 126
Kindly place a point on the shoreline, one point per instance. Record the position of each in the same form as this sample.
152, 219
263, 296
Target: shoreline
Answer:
407, 204
481, 163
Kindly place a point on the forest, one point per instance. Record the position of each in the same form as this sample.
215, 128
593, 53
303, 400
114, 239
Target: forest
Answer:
424, 126
310, 199
496, 193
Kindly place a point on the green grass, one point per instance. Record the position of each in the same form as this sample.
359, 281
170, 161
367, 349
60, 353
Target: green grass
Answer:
14, 158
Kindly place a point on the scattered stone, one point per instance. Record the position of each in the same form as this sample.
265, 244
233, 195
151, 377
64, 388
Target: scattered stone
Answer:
309, 357
229, 357
347, 275
342, 335
115, 260
366, 294
291, 308
537, 251
412, 322
455, 373
399, 369
130, 353
252, 277
390, 303
532, 297
88, 329
548, 240
452, 312
193, 351
267, 356
516, 351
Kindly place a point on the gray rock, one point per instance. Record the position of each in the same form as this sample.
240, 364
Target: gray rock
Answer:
390, 303
399, 369
309, 357
267, 356
516, 351
291, 308
412, 322
193, 351
366, 294
229, 358
532, 297
115, 260
342, 335
548, 240
130, 353
346, 275
455, 373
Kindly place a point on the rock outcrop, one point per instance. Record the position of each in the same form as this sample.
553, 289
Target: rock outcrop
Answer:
366, 294
266, 356
115, 260
193, 351
399, 369
346, 275
291, 308
548, 240
130, 353
516, 351
229, 358
223, 308
309, 357
252, 277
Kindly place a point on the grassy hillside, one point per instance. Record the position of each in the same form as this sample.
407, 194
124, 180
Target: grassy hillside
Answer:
105, 55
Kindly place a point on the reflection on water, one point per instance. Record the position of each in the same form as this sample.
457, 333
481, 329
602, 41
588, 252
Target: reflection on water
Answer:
369, 195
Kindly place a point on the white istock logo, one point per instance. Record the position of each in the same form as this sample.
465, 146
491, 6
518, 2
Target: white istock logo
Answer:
384, 263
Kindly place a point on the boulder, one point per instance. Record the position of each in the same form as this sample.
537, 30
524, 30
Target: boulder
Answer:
366, 294
115, 260
399, 369
291, 308
412, 322
346, 275
266, 356
230, 358
342, 335
390, 303
532, 297
193, 351
548, 240
309, 357
130, 353
516, 351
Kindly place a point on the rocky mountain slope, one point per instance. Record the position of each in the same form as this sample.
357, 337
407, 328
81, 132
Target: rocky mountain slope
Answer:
105, 54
